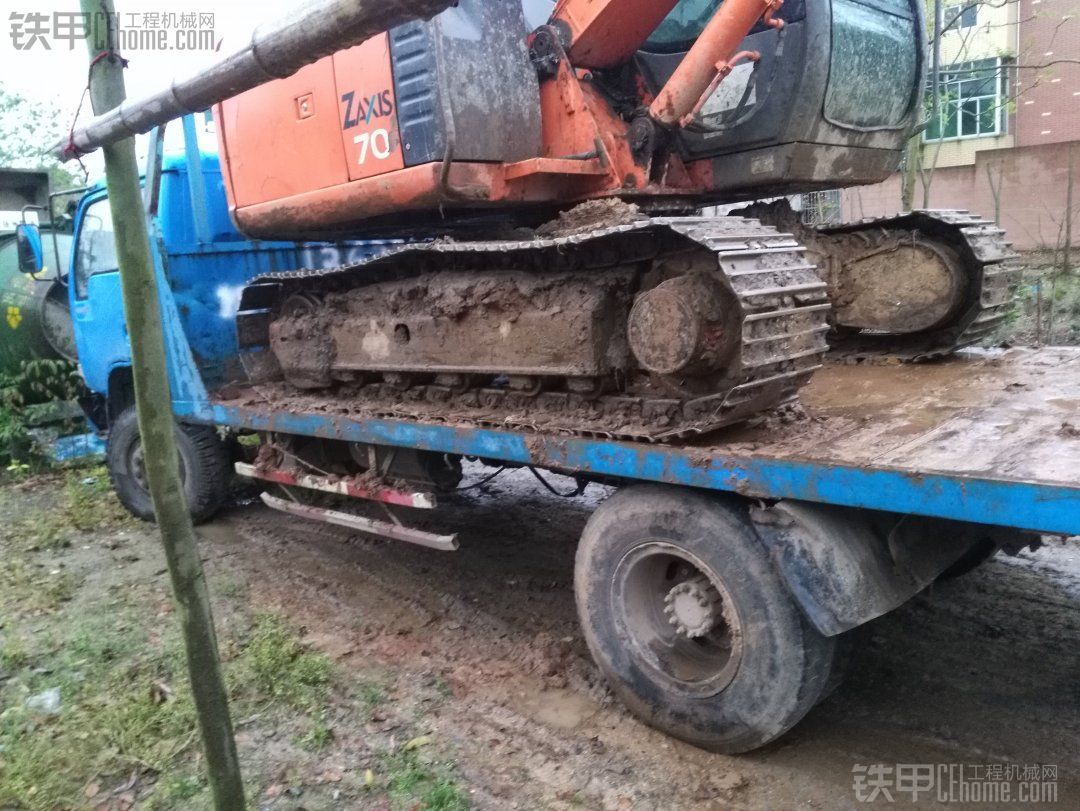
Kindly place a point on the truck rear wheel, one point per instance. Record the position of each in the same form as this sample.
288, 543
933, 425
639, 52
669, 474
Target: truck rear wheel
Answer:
687, 618
204, 468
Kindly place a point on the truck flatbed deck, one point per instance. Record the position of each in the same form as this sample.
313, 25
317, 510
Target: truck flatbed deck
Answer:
989, 437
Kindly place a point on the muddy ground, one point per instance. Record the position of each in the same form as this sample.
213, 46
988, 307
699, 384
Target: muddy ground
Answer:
478, 652
980, 670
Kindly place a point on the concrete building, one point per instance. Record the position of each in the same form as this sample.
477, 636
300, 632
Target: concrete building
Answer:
1009, 117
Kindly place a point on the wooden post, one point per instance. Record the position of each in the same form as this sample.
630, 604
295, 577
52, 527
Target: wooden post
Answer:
153, 401
1038, 312
911, 167
1070, 185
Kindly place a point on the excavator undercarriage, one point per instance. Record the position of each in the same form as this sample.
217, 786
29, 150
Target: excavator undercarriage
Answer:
916, 286
651, 329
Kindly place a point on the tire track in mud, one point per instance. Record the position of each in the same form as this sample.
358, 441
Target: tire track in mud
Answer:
981, 669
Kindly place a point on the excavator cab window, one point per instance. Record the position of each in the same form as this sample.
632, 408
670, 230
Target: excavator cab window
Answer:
682, 26
873, 48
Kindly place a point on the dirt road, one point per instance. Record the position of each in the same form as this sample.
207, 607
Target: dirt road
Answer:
979, 671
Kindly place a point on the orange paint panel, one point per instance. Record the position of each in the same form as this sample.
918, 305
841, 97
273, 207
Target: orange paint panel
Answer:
283, 137
605, 33
367, 111
418, 188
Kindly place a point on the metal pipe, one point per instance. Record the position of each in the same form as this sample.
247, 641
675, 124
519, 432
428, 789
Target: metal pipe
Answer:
276, 50
935, 79
196, 181
711, 55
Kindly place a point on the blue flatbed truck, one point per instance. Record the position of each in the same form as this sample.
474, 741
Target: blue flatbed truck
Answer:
718, 587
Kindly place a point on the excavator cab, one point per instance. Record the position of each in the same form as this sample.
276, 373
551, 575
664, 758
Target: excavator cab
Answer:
831, 101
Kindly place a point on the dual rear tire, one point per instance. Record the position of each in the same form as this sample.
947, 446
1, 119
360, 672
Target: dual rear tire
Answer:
687, 618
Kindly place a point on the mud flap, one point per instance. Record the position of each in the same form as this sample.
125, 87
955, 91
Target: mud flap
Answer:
845, 567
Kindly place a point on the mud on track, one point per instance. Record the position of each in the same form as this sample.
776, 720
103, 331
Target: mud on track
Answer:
981, 670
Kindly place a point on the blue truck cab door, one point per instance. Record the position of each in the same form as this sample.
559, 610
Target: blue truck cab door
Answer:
97, 307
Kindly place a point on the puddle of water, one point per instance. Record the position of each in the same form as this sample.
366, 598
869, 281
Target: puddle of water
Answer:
219, 532
563, 709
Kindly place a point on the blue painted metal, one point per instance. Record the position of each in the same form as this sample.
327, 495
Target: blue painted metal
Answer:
1030, 506
79, 446
202, 264
196, 181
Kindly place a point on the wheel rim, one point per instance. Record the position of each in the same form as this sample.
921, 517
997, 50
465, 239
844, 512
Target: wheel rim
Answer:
678, 619
137, 466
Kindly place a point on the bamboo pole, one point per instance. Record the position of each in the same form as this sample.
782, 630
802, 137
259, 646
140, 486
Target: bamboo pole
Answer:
276, 50
1070, 184
153, 402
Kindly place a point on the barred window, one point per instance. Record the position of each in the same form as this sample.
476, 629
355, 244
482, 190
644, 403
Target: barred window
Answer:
972, 101
968, 14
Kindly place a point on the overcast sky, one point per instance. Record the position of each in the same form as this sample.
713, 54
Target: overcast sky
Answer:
59, 73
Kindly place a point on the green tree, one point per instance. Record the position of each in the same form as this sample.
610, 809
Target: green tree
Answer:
1028, 64
29, 129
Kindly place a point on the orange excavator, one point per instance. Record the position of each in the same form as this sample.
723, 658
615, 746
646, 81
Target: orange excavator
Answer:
544, 167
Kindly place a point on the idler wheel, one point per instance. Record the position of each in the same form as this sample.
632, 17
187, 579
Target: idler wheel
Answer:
686, 325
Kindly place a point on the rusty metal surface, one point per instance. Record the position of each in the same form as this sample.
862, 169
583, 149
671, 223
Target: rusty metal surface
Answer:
382, 529
1001, 414
366, 487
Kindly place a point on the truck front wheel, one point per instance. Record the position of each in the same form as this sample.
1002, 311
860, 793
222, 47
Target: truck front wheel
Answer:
687, 618
204, 468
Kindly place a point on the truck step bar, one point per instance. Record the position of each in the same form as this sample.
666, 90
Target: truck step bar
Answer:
369, 490
383, 529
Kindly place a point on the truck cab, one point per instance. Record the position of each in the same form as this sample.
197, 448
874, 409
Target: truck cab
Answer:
202, 263
198, 254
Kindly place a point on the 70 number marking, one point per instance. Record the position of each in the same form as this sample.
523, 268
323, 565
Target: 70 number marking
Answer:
377, 142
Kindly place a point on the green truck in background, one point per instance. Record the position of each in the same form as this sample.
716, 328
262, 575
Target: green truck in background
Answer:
35, 322
39, 384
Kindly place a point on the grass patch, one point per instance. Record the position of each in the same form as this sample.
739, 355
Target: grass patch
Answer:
126, 704
414, 783
319, 735
370, 694
178, 789
110, 721
33, 589
279, 667
119, 668
90, 503
13, 655
86, 504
